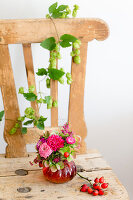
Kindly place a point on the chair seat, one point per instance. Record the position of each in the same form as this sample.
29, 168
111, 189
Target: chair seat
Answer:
20, 181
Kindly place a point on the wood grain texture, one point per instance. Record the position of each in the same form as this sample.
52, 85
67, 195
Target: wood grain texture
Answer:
36, 30
15, 143
34, 186
30, 71
76, 98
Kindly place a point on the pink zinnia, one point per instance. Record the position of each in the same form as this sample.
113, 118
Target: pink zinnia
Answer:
55, 142
70, 140
45, 150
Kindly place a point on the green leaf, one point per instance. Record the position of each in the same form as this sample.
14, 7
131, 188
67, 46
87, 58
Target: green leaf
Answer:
30, 96
57, 14
49, 43
53, 7
58, 166
48, 99
41, 72
55, 74
40, 125
42, 119
62, 7
68, 38
69, 158
65, 44
23, 130
1, 115
28, 122
61, 164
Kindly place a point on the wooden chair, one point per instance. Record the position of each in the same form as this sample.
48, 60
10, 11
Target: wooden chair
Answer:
18, 180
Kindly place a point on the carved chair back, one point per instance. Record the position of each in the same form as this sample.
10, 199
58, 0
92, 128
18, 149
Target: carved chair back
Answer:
30, 31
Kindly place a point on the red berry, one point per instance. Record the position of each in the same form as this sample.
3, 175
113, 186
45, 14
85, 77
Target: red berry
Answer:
104, 185
101, 192
95, 185
95, 192
90, 190
84, 188
96, 180
99, 187
101, 180
66, 154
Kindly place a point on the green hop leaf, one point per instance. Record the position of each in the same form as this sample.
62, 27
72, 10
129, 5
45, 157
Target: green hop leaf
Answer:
21, 119
65, 44
47, 16
61, 80
21, 90
72, 53
53, 63
62, 7
53, 54
1, 115
76, 45
76, 7
68, 38
12, 131
29, 111
23, 130
53, 7
77, 52
55, 74
40, 100
74, 13
58, 55
61, 69
30, 96
55, 103
48, 83
28, 122
49, 43
41, 72
69, 81
40, 125
48, 99
77, 59
17, 125
31, 88
68, 75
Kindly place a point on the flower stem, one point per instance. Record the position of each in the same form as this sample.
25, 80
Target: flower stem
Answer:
85, 178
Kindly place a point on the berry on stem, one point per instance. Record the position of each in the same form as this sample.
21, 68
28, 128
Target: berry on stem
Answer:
66, 154
101, 192
90, 190
84, 188
104, 185
96, 180
95, 192
101, 180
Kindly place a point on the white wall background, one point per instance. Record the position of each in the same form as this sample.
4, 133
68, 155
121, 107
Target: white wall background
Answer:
109, 82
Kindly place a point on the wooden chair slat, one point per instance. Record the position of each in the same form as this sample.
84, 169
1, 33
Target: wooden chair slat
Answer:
76, 99
30, 71
36, 30
15, 143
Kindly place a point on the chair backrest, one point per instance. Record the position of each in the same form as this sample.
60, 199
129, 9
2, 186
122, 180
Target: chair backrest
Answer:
30, 31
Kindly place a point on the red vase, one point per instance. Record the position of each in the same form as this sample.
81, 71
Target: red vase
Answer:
63, 175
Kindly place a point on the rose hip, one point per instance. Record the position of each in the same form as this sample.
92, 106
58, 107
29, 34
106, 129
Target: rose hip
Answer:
95, 192
90, 190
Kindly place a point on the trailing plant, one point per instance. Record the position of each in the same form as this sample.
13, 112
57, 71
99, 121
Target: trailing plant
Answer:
51, 72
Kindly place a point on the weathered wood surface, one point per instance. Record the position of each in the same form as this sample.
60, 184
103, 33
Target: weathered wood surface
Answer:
20, 181
36, 30
76, 98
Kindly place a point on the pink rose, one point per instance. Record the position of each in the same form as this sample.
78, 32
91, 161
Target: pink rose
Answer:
70, 140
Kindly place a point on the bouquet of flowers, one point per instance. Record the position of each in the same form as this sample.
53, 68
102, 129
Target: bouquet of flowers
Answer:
56, 147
